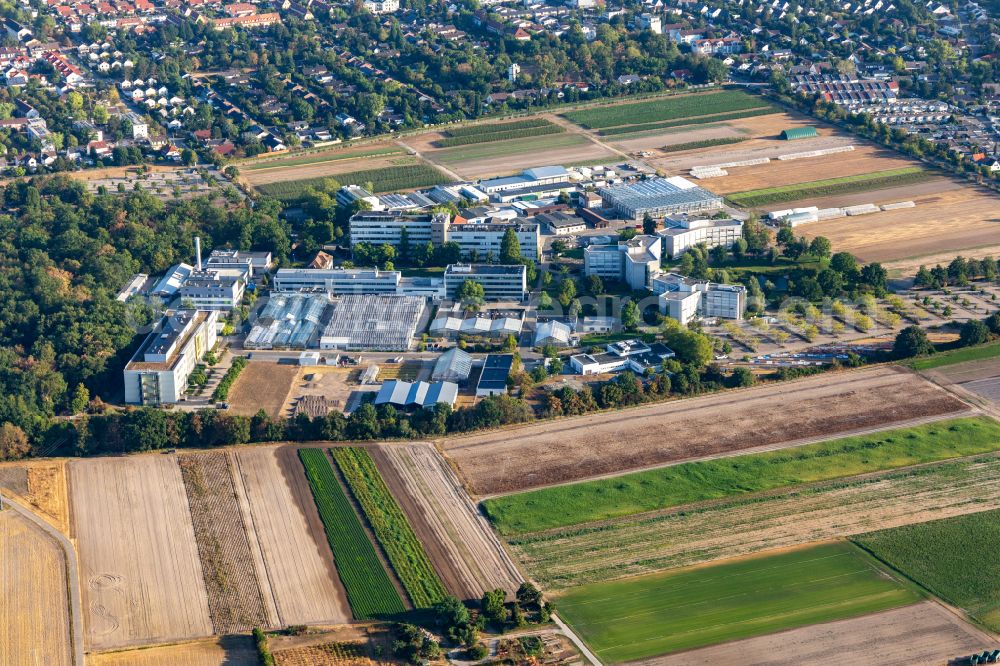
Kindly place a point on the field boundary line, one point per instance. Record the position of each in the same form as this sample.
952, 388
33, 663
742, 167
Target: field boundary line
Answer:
577, 641
72, 577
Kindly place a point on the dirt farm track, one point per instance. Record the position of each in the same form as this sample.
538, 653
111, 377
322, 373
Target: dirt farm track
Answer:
572, 449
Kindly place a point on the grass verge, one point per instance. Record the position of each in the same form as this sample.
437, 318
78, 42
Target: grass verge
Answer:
369, 590
574, 504
954, 558
951, 357
636, 618
392, 529
821, 188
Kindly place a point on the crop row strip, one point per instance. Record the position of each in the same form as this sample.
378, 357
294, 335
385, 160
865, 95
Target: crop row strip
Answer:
369, 590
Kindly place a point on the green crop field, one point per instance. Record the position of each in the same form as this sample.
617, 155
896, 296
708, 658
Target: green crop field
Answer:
490, 137
390, 179
821, 188
644, 129
636, 618
391, 527
956, 559
369, 590
953, 356
481, 151
493, 128
666, 108
563, 506
320, 158
707, 143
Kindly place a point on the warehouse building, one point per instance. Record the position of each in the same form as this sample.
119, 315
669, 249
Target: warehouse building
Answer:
374, 323
482, 325
539, 176
683, 298
679, 235
158, 371
499, 282
658, 197
634, 261
337, 280
416, 395
348, 195
455, 365
496, 370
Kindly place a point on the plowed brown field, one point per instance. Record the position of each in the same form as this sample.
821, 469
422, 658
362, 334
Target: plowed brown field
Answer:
461, 545
582, 447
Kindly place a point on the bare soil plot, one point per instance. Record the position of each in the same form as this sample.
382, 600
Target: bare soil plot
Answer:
588, 446
292, 544
949, 217
262, 385
34, 607
716, 530
862, 160
235, 603
226, 651
139, 567
924, 633
463, 549
40, 484
959, 373
333, 383
322, 169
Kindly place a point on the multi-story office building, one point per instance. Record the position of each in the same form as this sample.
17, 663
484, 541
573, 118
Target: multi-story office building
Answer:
481, 240
386, 227
214, 289
337, 280
158, 372
683, 234
683, 298
634, 262
500, 283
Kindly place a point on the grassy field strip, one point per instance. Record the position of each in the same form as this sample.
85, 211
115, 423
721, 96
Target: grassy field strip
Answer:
683, 609
662, 109
632, 131
387, 151
693, 534
707, 143
480, 151
369, 590
493, 137
956, 559
389, 179
494, 128
821, 188
726, 477
951, 357
391, 528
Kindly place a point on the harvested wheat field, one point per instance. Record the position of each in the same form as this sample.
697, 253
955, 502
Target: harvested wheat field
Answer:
459, 541
225, 651
293, 549
139, 566
262, 385
773, 415
235, 601
949, 216
707, 531
924, 633
863, 159
34, 607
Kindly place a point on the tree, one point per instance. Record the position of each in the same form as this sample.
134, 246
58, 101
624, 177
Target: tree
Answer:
81, 396
528, 595
450, 612
494, 608
844, 263
567, 292
510, 248
188, 157
14, 443
595, 285
924, 278
973, 332
743, 377
820, 247
648, 225
912, 341
630, 315
875, 276
471, 293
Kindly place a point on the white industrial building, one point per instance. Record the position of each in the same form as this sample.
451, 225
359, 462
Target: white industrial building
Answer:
546, 175
482, 325
386, 227
375, 323
679, 235
410, 395
486, 239
337, 280
658, 197
158, 372
683, 298
500, 282
634, 261
214, 288
348, 195
633, 355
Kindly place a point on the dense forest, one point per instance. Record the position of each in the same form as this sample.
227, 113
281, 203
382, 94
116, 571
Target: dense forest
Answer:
64, 254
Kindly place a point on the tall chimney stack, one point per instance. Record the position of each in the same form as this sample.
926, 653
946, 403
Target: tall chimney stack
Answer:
197, 251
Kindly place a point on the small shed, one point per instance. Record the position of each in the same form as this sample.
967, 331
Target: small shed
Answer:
793, 133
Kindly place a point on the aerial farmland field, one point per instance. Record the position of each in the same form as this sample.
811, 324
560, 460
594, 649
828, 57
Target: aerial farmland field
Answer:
952, 558
139, 567
646, 616
583, 447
